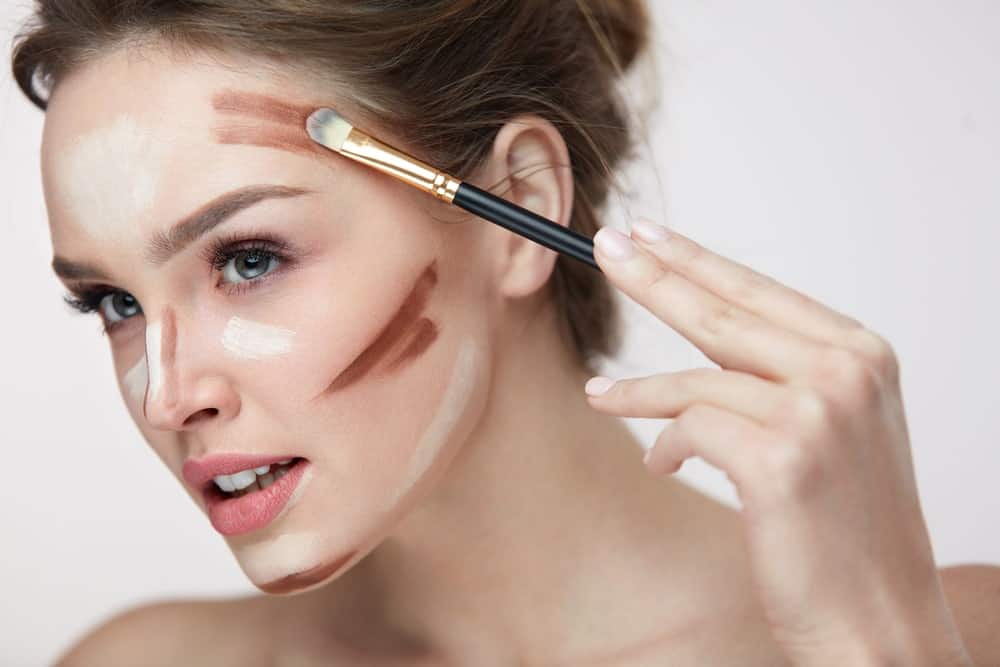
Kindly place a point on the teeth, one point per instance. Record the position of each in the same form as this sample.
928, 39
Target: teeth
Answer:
224, 483
245, 478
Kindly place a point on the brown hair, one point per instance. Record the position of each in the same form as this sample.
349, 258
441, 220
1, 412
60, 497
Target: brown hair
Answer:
444, 75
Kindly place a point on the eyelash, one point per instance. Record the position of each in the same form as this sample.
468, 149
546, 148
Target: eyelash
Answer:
217, 254
224, 249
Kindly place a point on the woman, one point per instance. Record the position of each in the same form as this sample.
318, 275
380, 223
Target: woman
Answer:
405, 386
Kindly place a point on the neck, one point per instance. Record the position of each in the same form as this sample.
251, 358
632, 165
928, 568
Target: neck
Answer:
544, 526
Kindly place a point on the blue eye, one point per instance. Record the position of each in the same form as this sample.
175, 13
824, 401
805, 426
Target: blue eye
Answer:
250, 264
117, 306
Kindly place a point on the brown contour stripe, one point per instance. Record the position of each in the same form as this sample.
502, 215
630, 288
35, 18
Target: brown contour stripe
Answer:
425, 332
168, 341
290, 135
402, 322
262, 106
282, 139
305, 578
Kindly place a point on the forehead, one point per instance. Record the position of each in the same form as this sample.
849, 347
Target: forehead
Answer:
134, 139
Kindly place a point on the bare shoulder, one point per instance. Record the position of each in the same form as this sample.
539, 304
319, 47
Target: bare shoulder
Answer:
189, 632
973, 593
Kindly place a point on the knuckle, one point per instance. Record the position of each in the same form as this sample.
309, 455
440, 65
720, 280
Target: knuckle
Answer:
804, 410
847, 380
623, 391
877, 351
843, 370
658, 279
792, 469
721, 320
750, 285
688, 253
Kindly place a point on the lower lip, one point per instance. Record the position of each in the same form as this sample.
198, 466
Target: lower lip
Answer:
235, 516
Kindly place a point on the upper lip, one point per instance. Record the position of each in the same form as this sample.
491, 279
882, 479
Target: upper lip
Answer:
199, 472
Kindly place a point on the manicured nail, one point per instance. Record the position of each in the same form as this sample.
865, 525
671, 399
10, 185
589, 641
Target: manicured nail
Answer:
613, 244
598, 385
650, 232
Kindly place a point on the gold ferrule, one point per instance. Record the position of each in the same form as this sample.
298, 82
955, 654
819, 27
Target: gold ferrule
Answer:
372, 152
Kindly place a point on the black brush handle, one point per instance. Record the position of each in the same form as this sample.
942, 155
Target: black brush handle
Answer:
522, 221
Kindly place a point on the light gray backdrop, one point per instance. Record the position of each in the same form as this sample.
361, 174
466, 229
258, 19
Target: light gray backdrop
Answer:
849, 149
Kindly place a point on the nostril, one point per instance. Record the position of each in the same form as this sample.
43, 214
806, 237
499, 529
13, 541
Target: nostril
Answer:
207, 413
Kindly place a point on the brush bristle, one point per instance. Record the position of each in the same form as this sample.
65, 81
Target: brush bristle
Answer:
326, 127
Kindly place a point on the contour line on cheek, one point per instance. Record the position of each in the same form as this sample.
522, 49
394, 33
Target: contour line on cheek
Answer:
408, 321
251, 340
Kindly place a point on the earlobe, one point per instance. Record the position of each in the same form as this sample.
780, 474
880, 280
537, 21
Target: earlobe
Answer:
535, 166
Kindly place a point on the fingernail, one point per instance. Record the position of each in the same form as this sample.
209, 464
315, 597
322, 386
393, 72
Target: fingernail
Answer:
598, 385
650, 232
613, 244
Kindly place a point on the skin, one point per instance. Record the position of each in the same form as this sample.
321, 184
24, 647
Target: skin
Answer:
468, 504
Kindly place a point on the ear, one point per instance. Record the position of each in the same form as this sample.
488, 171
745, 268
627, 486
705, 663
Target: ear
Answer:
529, 157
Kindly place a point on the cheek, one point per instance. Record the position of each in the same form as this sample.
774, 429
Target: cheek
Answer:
445, 420
135, 380
246, 339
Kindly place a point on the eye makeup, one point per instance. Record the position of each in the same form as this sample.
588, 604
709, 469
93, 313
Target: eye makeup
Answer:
407, 336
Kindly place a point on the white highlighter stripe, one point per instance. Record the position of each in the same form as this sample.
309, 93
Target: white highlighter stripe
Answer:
136, 379
251, 340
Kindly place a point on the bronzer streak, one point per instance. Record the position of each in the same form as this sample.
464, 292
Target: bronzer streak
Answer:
306, 578
407, 335
282, 126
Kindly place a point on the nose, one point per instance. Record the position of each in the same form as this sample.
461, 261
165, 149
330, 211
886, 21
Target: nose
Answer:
181, 395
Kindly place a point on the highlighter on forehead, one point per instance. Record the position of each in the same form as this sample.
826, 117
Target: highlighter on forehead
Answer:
329, 129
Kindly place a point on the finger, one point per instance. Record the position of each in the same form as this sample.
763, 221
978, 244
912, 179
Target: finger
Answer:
753, 291
728, 335
722, 439
667, 395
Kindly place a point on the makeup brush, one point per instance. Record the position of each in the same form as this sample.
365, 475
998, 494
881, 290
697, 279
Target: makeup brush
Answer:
328, 129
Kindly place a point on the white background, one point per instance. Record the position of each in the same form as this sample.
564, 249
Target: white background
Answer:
850, 150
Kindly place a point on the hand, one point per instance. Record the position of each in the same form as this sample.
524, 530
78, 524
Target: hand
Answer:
805, 417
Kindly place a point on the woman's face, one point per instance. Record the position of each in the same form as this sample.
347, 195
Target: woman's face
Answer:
266, 297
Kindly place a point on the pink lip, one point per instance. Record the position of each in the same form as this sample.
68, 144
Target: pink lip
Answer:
199, 472
255, 510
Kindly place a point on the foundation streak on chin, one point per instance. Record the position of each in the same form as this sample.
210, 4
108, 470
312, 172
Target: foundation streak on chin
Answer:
307, 577
283, 127
408, 329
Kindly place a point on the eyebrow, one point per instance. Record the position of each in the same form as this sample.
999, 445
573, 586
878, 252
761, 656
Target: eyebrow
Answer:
165, 245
